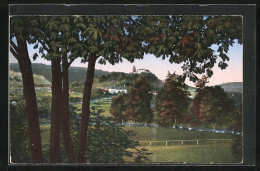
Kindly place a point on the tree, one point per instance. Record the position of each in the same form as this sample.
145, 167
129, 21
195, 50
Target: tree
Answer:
21, 35
172, 101
214, 105
200, 84
57, 38
111, 38
138, 101
118, 108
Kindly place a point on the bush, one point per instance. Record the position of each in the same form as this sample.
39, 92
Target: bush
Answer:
19, 135
107, 142
75, 99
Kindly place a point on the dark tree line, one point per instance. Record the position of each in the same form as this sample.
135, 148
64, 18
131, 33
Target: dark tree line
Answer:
211, 106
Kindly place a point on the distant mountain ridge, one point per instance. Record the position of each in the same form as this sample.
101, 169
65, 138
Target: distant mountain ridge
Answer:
232, 87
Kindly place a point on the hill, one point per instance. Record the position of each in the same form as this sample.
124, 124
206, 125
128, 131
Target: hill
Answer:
232, 87
16, 80
126, 79
234, 91
75, 73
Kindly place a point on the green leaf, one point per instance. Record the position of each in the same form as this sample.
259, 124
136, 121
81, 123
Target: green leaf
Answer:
93, 49
35, 46
209, 73
72, 40
35, 56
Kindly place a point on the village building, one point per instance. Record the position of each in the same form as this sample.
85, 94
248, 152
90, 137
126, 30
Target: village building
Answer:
116, 89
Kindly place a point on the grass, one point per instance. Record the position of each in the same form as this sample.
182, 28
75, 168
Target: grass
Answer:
43, 93
45, 138
105, 105
187, 154
162, 134
193, 154
39, 80
75, 94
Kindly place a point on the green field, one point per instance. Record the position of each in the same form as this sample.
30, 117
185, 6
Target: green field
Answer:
105, 105
215, 153
205, 154
163, 134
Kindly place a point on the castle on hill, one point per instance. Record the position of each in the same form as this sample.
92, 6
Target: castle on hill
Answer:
138, 71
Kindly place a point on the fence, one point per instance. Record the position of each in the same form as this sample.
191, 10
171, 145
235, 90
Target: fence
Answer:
186, 142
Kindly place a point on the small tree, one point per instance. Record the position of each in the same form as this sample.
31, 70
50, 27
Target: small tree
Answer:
172, 101
118, 107
138, 99
200, 84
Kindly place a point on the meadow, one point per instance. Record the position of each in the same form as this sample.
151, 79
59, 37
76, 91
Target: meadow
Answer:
173, 153
192, 154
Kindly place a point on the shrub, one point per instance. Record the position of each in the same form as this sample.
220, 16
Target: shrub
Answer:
19, 135
107, 142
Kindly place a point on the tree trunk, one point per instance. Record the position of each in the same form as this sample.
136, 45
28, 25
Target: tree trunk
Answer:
55, 110
65, 114
31, 102
86, 109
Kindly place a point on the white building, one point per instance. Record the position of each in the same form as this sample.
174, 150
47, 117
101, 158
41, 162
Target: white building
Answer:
116, 89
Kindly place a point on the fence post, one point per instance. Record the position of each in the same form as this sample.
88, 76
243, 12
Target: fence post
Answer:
197, 142
166, 143
150, 143
182, 142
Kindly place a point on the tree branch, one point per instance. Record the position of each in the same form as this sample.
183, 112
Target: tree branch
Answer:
14, 53
71, 60
14, 46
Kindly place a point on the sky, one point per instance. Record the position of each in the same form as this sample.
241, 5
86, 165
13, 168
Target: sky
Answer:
159, 67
